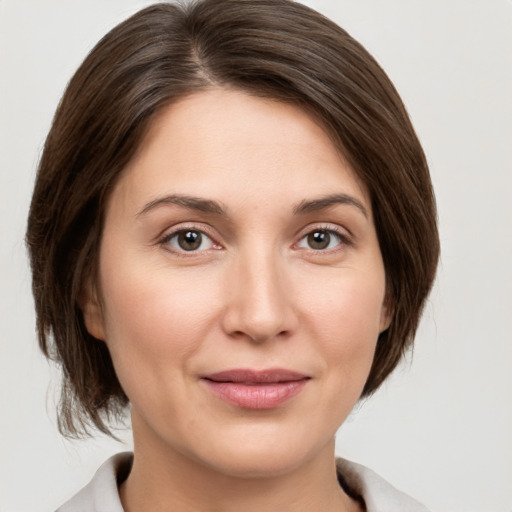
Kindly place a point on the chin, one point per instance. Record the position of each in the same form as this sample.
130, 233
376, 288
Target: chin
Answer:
258, 465
262, 457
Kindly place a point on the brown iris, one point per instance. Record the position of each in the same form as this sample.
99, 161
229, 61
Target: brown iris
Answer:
189, 240
319, 240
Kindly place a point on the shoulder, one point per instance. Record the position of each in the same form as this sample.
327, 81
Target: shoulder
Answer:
101, 493
377, 494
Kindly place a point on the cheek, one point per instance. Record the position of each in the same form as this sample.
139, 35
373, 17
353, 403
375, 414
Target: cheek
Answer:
350, 304
155, 320
346, 317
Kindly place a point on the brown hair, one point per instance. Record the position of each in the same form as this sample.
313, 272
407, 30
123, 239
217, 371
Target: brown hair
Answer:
272, 48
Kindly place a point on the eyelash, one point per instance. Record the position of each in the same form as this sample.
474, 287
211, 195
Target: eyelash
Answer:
165, 240
344, 240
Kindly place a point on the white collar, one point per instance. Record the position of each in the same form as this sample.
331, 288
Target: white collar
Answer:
101, 493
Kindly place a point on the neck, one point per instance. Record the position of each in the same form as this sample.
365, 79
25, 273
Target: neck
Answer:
163, 480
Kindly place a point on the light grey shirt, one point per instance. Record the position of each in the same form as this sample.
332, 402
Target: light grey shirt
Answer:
101, 493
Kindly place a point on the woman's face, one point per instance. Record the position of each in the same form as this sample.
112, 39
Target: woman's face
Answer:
242, 285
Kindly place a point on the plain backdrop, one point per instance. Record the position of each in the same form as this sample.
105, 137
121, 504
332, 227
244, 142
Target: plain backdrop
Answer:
441, 428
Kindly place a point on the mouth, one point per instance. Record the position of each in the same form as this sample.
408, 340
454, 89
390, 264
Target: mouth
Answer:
256, 389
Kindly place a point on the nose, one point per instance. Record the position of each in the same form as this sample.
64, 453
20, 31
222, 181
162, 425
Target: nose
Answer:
260, 305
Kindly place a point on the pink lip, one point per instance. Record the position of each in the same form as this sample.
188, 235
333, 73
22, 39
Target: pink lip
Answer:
252, 389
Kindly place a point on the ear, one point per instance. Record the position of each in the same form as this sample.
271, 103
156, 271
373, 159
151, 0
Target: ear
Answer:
92, 311
386, 314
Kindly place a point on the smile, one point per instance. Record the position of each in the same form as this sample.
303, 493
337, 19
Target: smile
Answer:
251, 389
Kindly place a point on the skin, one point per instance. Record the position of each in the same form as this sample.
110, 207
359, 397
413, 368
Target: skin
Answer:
255, 294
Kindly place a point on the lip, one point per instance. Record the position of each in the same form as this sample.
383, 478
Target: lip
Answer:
256, 389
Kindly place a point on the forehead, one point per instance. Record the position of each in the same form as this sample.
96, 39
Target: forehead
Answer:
226, 142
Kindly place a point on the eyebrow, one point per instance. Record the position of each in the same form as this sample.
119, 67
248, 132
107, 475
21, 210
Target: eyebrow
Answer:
325, 202
189, 202
214, 207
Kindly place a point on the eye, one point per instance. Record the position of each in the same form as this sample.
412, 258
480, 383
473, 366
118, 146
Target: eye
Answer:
321, 240
188, 240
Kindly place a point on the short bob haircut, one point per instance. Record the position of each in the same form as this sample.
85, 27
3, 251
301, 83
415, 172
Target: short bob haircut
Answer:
275, 49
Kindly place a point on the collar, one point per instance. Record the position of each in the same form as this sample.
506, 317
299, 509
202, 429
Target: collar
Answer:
101, 494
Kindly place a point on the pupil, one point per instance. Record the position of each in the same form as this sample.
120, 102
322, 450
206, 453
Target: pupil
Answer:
319, 239
189, 240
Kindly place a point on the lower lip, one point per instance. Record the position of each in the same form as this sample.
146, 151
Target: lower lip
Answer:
256, 396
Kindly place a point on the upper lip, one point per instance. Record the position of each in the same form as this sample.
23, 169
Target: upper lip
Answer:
249, 376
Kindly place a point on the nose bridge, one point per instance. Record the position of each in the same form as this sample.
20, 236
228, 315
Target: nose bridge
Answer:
260, 305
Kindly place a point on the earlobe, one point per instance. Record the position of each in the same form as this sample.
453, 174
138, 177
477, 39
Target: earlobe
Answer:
92, 312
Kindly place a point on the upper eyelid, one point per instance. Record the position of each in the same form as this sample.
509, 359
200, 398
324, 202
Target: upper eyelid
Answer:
169, 233
190, 226
325, 226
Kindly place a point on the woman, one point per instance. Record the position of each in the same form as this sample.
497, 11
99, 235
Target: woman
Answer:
233, 231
